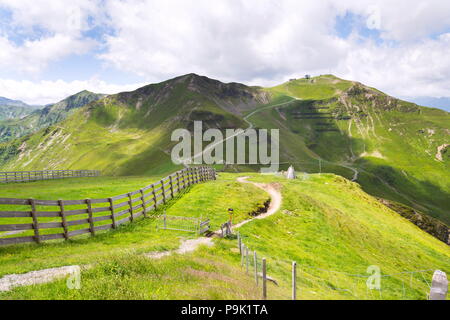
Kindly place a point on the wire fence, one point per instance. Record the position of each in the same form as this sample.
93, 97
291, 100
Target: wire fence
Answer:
310, 282
179, 223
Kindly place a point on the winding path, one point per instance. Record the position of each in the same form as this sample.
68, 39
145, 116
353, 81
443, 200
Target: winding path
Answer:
11, 281
192, 244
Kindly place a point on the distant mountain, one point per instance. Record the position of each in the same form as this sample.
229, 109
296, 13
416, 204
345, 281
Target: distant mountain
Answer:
14, 109
8, 102
394, 149
441, 103
35, 119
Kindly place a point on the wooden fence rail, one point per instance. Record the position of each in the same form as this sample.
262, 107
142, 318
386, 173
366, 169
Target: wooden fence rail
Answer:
111, 212
27, 176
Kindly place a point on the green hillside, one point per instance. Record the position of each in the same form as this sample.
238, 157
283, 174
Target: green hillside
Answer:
33, 119
394, 149
14, 109
327, 224
9, 112
129, 133
393, 145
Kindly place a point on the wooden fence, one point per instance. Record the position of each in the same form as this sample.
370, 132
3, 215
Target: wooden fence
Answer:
119, 209
26, 176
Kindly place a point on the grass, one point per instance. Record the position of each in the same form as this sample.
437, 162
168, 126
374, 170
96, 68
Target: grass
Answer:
139, 236
329, 223
332, 228
130, 276
214, 198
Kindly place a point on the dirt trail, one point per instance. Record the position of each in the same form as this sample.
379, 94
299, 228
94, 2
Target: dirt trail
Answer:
275, 199
192, 244
48, 275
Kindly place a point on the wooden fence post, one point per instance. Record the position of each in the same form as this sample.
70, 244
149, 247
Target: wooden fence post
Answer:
194, 175
113, 218
130, 202
178, 181
37, 238
63, 219
171, 187
91, 218
163, 191
255, 262
294, 280
144, 209
264, 279
154, 196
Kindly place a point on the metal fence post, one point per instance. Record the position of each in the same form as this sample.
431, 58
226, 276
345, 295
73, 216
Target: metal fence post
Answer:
242, 254
255, 262
264, 279
165, 220
239, 242
246, 259
294, 280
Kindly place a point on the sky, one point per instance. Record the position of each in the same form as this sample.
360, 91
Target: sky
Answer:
50, 49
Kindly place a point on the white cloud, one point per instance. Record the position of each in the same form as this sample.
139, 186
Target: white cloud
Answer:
418, 69
49, 30
34, 55
260, 42
264, 42
44, 92
402, 20
66, 17
239, 40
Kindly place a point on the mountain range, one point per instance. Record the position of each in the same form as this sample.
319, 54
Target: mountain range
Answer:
14, 109
395, 149
23, 119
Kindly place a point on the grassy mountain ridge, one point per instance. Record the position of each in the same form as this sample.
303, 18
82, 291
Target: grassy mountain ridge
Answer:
32, 121
395, 149
391, 144
129, 133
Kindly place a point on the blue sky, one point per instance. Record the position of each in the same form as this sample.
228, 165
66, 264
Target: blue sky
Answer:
51, 49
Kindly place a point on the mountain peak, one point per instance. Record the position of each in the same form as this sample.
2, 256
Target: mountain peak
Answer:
9, 102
